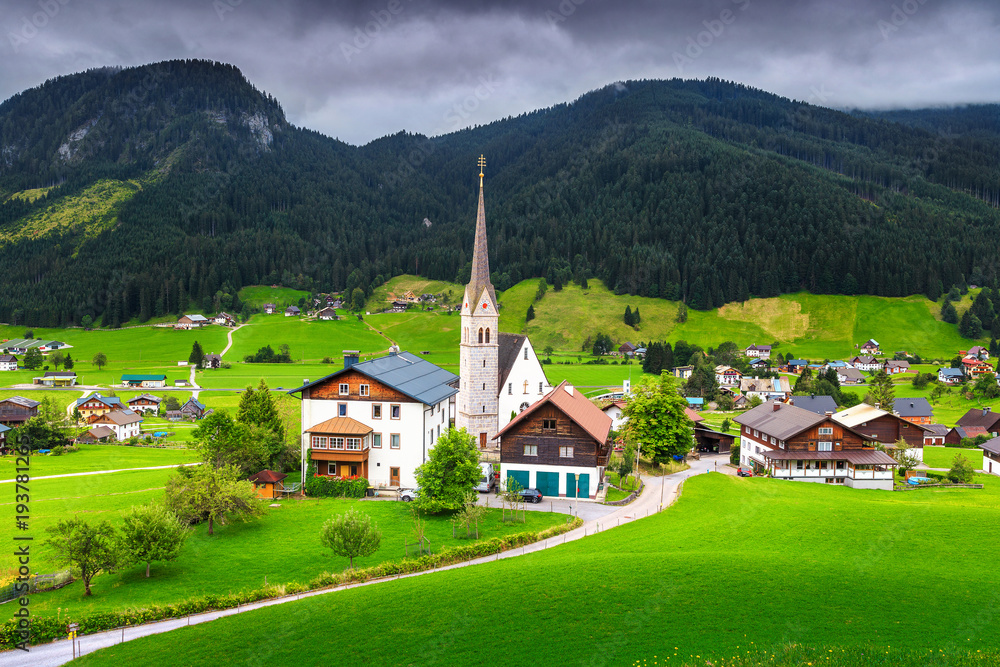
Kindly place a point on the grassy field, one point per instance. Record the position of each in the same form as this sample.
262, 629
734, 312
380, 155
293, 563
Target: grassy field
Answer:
257, 295
283, 546
942, 457
98, 457
307, 339
401, 284
806, 325
736, 565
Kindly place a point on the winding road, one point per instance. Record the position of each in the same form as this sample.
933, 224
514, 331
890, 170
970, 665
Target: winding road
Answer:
660, 492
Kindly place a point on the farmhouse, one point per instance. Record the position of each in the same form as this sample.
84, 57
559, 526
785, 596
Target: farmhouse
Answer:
766, 388
8, 362
144, 381
57, 379
191, 322
124, 423
977, 351
16, 410
193, 409
865, 363
985, 417
614, 410
797, 365
727, 377
97, 405
97, 434
559, 445
950, 375
973, 367
328, 313
959, 433
382, 415
758, 351
796, 444
627, 349
270, 308
144, 403
871, 347
212, 360
883, 427
225, 319
991, 456
850, 376
915, 410
893, 367
292, 311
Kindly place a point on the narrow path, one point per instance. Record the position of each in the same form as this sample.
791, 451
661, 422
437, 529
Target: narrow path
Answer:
657, 488
84, 393
194, 384
103, 472
230, 337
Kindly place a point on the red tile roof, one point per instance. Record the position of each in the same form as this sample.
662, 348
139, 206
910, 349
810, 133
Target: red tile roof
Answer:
268, 477
574, 405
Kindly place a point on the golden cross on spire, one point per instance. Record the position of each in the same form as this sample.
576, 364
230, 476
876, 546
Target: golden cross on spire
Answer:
482, 164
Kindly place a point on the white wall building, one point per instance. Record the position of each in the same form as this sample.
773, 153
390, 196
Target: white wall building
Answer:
522, 380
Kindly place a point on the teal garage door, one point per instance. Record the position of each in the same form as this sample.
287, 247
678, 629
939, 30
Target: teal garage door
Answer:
571, 485
520, 476
547, 484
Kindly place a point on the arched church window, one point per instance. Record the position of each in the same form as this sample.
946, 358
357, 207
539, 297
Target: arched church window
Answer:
480, 335
487, 335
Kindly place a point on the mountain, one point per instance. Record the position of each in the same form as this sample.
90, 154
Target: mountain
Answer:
151, 190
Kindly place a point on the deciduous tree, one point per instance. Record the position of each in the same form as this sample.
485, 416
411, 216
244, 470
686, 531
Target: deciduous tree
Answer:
150, 533
451, 469
220, 495
656, 420
351, 535
87, 549
100, 360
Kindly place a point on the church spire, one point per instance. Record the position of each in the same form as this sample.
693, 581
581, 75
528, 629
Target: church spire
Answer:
480, 257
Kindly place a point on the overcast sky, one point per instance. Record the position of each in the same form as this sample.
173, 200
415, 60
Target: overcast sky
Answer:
361, 70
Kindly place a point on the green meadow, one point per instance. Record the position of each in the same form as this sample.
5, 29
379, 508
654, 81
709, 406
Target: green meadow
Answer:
943, 457
283, 546
308, 340
257, 295
735, 566
97, 457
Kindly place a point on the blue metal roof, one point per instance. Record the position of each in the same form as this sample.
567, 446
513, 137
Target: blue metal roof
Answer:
405, 372
107, 400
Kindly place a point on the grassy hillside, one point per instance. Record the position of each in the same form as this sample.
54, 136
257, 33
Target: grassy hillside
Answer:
257, 295
807, 325
401, 284
311, 340
736, 564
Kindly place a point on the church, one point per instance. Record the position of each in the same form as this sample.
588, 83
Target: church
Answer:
500, 374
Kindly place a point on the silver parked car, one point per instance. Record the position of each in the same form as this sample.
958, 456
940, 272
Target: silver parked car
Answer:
409, 495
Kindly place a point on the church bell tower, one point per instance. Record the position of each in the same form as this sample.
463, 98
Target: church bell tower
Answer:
478, 393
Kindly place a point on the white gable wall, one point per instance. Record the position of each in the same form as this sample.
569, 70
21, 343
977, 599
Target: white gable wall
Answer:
514, 394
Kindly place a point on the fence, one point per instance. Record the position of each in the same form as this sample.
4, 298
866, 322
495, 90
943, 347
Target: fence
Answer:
37, 583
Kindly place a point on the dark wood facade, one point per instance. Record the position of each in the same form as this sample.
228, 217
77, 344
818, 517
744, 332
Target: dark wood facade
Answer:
807, 440
12, 414
535, 430
329, 390
889, 428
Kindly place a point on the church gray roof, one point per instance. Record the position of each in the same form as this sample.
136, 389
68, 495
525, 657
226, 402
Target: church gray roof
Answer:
480, 258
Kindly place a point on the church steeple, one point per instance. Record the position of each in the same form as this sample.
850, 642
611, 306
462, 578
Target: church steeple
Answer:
480, 279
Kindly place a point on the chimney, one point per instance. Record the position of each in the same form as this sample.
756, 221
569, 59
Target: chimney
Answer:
829, 413
986, 411
878, 406
776, 407
791, 401
305, 382
351, 357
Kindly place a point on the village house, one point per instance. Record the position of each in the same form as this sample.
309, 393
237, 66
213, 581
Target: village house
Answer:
559, 445
974, 367
4, 449
16, 410
144, 403
914, 410
977, 351
758, 351
124, 423
883, 427
144, 381
8, 362
795, 444
984, 417
957, 434
683, 372
292, 311
950, 375
522, 379
270, 308
97, 434
821, 405
727, 376
57, 379
759, 365
614, 411
871, 347
212, 361
991, 456
627, 349
850, 376
797, 365
935, 434
865, 363
191, 322
894, 367
377, 419
193, 409
96, 405
328, 313
224, 319
778, 388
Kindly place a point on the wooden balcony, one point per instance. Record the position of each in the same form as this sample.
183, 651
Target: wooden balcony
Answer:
342, 454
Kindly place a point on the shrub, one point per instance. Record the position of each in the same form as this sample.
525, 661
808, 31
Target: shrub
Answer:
318, 486
58, 450
961, 470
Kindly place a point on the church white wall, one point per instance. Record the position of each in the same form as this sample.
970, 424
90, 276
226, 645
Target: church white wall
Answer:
522, 386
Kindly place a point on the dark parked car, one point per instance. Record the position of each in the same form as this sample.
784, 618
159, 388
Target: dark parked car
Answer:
531, 495
744, 472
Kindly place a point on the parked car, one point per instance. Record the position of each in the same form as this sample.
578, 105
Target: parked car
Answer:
488, 480
531, 495
743, 471
409, 495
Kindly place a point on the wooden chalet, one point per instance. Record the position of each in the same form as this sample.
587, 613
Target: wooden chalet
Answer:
959, 433
881, 426
328, 313
144, 403
16, 410
796, 444
559, 445
270, 308
340, 447
97, 405
984, 417
212, 361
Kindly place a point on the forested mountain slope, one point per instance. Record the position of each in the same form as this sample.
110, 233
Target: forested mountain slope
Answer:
157, 189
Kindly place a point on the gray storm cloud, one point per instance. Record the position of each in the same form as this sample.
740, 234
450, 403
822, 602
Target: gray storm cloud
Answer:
360, 70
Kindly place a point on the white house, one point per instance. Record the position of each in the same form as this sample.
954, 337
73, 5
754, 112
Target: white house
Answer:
614, 410
8, 362
124, 423
950, 375
522, 380
866, 363
191, 322
766, 388
727, 376
991, 456
377, 419
759, 351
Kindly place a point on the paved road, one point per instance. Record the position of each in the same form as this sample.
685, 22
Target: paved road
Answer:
657, 488
230, 337
102, 472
